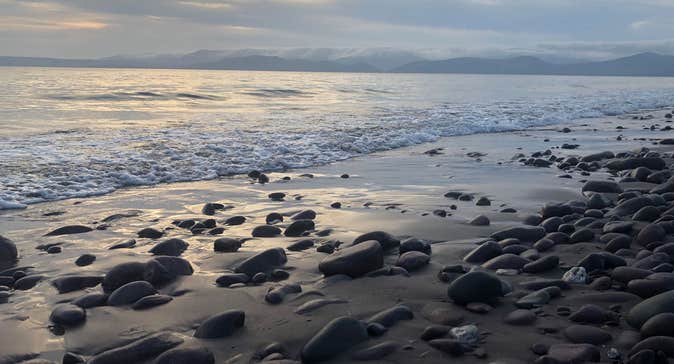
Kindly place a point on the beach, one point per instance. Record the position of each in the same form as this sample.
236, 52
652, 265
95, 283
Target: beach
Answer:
310, 289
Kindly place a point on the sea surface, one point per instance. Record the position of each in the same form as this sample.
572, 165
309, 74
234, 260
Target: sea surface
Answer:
84, 132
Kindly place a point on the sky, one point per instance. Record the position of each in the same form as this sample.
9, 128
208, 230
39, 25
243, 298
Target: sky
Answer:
597, 29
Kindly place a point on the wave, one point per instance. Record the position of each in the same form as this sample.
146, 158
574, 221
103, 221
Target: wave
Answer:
132, 96
90, 162
276, 92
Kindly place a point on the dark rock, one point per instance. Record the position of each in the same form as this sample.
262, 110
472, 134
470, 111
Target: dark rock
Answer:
664, 344
299, 227
151, 301
70, 229
304, 215
139, 350
221, 325
582, 235
273, 218
392, 315
335, 338
542, 265
8, 252
226, 245
354, 261
386, 240
67, 315
262, 262
413, 244
171, 247
27, 282
480, 220
277, 196
186, 355
228, 279
643, 311
475, 287
150, 233
520, 317
413, 260
122, 274
570, 354
130, 293
266, 231
523, 233
74, 283
300, 245
484, 252
583, 334
506, 261
450, 346
602, 187
91, 300
235, 220
84, 260
124, 245
649, 234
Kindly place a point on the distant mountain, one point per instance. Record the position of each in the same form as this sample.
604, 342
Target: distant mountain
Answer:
643, 64
387, 60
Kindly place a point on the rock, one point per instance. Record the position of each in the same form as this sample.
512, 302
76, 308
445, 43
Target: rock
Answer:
377, 351
122, 274
584, 334
630, 206
520, 317
124, 245
226, 245
617, 243
483, 252
556, 210
8, 252
300, 245
602, 187
221, 325
483, 201
70, 229
130, 293
544, 245
413, 244
582, 235
506, 261
647, 213
276, 295
450, 346
151, 301
171, 247
570, 353
468, 334
543, 264
537, 298
198, 355
67, 315
478, 307
90, 300
391, 316
386, 240
434, 332
523, 233
299, 227
67, 284
592, 314
235, 220
27, 282
413, 260
480, 220
84, 260
659, 325
276, 196
228, 279
313, 305
655, 343
262, 262
598, 156
337, 337
576, 275
354, 261
150, 233
633, 163
475, 287
139, 350
304, 215
643, 311
649, 234
266, 231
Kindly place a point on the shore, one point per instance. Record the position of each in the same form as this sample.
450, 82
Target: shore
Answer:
315, 307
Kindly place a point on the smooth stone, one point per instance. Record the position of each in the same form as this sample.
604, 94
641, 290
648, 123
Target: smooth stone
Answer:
67, 315
450, 346
386, 240
8, 251
221, 325
583, 334
542, 264
659, 325
150, 233
484, 252
582, 235
576, 275
276, 196
570, 353
506, 261
262, 262
480, 220
313, 305
299, 227
139, 350
354, 261
602, 187
392, 315
337, 337
475, 287
520, 317
84, 260
266, 231
198, 355
377, 351
304, 215
171, 247
124, 245
300, 245
643, 311
226, 245
90, 300
151, 301
413, 260
413, 244
276, 295
28, 282
434, 332
649, 234
535, 299
544, 245
523, 233
130, 293
235, 220
656, 343
74, 283
70, 229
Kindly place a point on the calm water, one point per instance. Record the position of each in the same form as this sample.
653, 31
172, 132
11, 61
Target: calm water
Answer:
82, 132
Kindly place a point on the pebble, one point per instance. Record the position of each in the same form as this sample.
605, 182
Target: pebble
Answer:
221, 325
199, 355
226, 245
392, 315
413, 244
70, 229
468, 334
67, 315
151, 301
643, 311
299, 227
484, 252
265, 231
8, 251
520, 317
139, 350
171, 247
235, 220
480, 220
584, 334
337, 337
130, 293
354, 261
85, 259
575, 275
262, 262
475, 287
413, 260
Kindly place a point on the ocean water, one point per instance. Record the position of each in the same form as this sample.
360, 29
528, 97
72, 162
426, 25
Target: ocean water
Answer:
83, 132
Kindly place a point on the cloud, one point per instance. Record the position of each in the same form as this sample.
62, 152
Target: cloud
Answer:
637, 25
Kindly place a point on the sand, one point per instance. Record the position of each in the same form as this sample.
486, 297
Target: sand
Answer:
395, 191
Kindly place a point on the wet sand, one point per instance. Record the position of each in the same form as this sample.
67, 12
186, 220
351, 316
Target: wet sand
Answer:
400, 192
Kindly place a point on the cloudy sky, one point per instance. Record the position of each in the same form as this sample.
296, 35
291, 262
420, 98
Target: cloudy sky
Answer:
573, 28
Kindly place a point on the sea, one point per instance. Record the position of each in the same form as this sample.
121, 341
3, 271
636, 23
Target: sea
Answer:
67, 132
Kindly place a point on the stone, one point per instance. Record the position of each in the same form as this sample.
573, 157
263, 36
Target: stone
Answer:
484, 252
655, 343
576, 275
276, 196
84, 260
468, 334
434, 332
124, 245
570, 353
171, 247
413, 260
299, 227
506, 261
386, 240
337, 337
70, 229
543, 264
67, 315
355, 260
150, 233
520, 317
649, 234
523, 233
391, 316
602, 187
304, 215
483, 201
584, 334
450, 346
198, 355
226, 245
8, 251
643, 311
262, 262
151, 301
90, 300
266, 231
122, 274
276, 295
659, 325
139, 350
582, 235
130, 293
413, 244
475, 287
221, 325
480, 220
377, 351
67, 284
228, 279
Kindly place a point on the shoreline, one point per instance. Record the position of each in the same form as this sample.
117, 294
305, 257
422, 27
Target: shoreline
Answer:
398, 191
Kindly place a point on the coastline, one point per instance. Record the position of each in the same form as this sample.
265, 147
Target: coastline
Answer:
403, 190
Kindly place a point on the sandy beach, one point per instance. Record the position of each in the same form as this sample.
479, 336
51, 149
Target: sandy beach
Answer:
310, 289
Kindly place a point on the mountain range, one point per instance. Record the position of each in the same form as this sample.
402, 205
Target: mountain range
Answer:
642, 64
